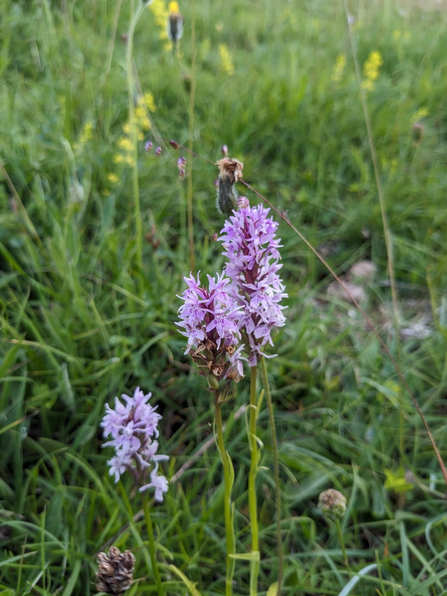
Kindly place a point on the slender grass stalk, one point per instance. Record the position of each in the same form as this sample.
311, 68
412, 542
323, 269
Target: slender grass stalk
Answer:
134, 16
191, 137
152, 553
252, 500
228, 508
276, 470
342, 544
375, 161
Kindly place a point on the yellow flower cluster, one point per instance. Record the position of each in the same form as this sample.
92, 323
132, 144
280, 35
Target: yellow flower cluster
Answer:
339, 68
371, 70
226, 60
397, 34
420, 114
142, 123
85, 137
161, 14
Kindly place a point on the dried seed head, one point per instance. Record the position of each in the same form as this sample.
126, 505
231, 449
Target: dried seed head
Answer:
115, 571
418, 131
332, 503
175, 26
243, 202
230, 168
158, 151
174, 144
148, 146
224, 150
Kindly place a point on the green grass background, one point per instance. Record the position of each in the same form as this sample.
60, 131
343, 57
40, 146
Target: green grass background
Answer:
81, 322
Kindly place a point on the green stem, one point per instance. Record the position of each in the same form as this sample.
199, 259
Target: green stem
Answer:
252, 500
152, 553
228, 483
342, 544
276, 468
134, 16
191, 138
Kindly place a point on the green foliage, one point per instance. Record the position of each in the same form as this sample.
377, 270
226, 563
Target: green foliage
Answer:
81, 322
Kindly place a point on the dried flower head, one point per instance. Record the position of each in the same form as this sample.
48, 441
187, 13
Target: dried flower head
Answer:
418, 131
332, 503
230, 170
115, 571
175, 23
174, 144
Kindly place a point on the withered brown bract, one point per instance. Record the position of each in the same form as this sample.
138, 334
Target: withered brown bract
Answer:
115, 572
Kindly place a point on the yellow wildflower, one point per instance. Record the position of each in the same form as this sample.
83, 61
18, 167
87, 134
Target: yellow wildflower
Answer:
85, 136
226, 60
174, 7
118, 158
150, 102
113, 178
421, 113
371, 70
125, 143
339, 67
161, 14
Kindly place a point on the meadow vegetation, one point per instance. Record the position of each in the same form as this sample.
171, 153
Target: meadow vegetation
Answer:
90, 279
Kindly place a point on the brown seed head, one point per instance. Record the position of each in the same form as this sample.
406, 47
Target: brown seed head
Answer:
230, 168
175, 26
174, 144
115, 571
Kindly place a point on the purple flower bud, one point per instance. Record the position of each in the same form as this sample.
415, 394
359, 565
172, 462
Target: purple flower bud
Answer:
243, 202
158, 151
148, 146
216, 183
181, 163
224, 150
182, 173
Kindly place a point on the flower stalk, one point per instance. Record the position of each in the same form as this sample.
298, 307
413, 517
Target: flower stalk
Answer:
134, 17
228, 507
151, 549
276, 471
252, 498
